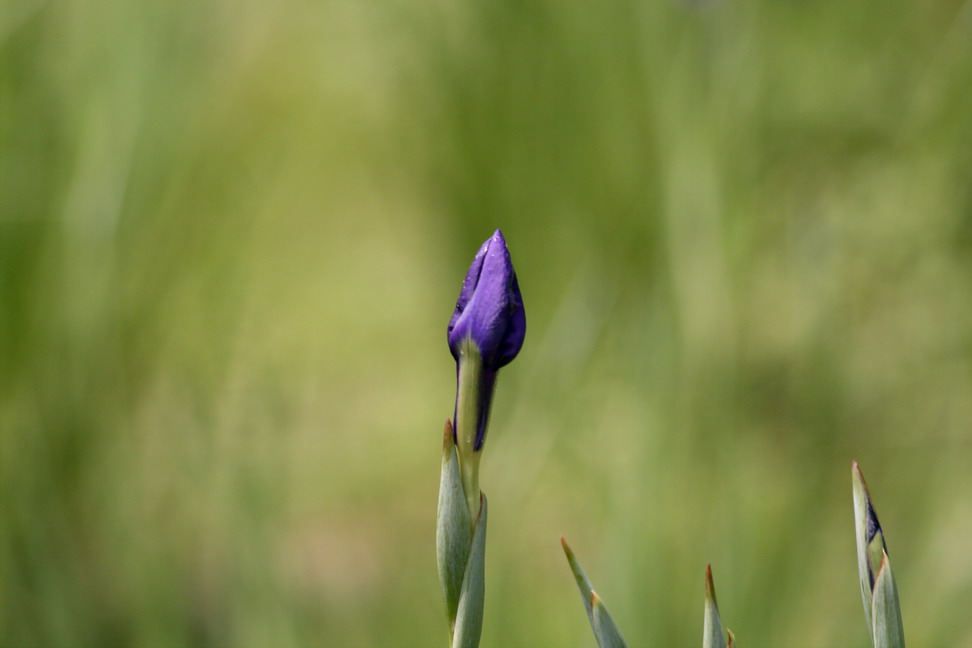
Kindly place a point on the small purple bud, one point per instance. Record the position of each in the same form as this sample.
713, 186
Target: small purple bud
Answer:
489, 310
489, 314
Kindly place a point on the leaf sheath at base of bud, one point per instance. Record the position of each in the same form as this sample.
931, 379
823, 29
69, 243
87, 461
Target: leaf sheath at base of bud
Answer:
453, 533
469, 620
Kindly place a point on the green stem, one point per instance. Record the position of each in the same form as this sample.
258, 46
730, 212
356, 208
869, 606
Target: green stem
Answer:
470, 365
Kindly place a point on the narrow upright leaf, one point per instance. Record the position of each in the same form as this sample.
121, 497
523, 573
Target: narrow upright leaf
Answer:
453, 532
583, 583
605, 629
469, 619
712, 634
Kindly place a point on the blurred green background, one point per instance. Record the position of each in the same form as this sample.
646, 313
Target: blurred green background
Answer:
233, 232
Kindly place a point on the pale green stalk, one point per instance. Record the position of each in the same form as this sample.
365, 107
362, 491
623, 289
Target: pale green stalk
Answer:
470, 369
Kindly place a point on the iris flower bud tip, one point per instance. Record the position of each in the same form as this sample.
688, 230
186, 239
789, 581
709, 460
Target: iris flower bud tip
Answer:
489, 311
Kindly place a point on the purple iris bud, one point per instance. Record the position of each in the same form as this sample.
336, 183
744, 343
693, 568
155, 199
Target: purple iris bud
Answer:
490, 309
489, 315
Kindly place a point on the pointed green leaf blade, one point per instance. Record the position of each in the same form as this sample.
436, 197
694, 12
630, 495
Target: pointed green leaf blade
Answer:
605, 629
583, 583
888, 631
453, 533
469, 619
712, 634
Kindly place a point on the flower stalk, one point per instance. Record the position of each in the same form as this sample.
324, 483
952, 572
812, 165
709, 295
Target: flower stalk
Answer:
468, 412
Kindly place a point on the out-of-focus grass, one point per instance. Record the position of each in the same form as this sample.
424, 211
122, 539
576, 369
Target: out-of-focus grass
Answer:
231, 234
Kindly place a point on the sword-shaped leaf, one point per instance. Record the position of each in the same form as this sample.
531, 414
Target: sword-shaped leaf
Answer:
605, 629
